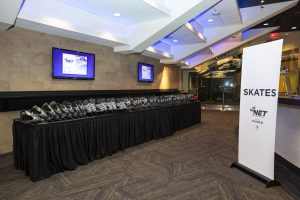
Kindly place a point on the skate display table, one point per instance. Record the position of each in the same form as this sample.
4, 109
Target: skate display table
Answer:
48, 148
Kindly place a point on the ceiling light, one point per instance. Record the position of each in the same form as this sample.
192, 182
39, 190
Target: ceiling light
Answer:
210, 20
266, 24
262, 1
215, 12
201, 36
294, 27
116, 14
175, 40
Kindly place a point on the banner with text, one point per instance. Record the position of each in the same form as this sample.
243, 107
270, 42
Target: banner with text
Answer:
258, 106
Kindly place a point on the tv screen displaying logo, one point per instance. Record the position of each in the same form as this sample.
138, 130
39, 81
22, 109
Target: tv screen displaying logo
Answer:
145, 72
72, 64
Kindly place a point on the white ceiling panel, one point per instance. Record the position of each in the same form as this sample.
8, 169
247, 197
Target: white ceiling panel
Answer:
225, 13
155, 53
132, 12
4, 26
64, 33
230, 20
217, 22
226, 4
162, 46
196, 26
182, 36
244, 18
68, 1
8, 13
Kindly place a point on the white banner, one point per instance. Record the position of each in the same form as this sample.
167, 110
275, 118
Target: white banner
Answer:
258, 106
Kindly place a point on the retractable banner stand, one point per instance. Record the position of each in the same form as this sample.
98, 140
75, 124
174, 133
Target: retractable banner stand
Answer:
258, 110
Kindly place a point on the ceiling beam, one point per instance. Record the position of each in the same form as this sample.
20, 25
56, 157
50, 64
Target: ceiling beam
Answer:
51, 17
251, 17
100, 38
156, 53
158, 5
228, 45
9, 10
146, 34
193, 30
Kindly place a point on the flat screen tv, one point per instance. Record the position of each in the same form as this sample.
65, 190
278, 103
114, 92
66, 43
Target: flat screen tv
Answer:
145, 72
67, 64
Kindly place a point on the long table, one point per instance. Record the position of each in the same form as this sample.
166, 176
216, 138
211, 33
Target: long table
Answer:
48, 148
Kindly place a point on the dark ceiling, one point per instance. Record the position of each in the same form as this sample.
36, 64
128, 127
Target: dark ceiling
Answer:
285, 20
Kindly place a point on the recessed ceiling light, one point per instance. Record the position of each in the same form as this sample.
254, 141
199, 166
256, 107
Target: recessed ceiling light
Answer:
116, 14
210, 20
175, 40
266, 24
294, 27
215, 12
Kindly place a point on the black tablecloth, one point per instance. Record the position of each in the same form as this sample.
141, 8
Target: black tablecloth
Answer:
45, 149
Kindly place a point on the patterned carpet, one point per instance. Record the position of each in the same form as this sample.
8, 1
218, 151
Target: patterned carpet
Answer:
192, 164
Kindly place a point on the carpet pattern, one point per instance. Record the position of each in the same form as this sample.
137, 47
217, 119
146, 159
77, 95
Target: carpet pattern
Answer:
192, 164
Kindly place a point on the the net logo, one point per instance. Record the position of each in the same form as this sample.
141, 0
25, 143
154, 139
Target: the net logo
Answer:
68, 60
258, 113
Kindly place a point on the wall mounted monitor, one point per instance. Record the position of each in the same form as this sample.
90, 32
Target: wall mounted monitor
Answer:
145, 72
67, 64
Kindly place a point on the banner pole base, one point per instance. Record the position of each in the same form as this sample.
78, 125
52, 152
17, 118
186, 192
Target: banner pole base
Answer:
254, 174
